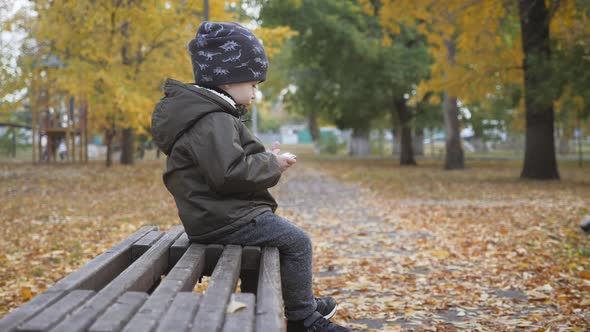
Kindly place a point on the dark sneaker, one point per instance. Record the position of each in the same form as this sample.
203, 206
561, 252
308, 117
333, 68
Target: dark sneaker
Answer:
315, 323
326, 306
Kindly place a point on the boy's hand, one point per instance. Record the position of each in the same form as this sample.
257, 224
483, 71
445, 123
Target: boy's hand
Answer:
285, 161
275, 148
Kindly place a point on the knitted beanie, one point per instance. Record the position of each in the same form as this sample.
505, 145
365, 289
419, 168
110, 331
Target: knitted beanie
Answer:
224, 53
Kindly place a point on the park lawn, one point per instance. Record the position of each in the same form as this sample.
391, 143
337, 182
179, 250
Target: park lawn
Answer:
489, 228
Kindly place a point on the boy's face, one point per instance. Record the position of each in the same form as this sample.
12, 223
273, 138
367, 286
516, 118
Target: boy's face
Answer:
243, 93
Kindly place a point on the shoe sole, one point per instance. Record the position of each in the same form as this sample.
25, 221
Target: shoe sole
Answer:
332, 313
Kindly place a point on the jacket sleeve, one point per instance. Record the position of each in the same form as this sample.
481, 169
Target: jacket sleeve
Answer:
214, 144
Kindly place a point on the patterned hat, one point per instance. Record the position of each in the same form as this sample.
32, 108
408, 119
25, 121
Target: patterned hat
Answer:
224, 53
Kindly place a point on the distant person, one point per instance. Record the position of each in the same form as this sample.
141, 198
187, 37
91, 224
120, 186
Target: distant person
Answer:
62, 150
219, 173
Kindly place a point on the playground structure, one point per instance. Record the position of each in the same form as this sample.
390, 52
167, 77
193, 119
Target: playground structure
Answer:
59, 122
60, 132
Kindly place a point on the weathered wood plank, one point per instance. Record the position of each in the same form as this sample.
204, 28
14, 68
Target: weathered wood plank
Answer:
187, 270
142, 245
249, 271
269, 301
51, 315
178, 249
222, 284
93, 276
241, 320
182, 277
181, 313
120, 312
104, 268
12, 320
212, 255
138, 277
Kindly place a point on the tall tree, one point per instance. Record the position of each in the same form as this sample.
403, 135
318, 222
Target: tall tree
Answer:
462, 43
539, 159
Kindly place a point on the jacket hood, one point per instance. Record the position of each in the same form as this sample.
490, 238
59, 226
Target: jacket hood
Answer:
181, 107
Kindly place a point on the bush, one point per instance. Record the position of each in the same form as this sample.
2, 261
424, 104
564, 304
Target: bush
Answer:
328, 143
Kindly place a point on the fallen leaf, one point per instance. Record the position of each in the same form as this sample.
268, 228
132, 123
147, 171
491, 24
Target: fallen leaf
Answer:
235, 306
26, 293
440, 254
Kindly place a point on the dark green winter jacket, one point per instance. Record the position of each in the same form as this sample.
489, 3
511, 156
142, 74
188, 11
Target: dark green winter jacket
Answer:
217, 171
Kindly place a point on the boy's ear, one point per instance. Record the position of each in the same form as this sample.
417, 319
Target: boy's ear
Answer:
225, 86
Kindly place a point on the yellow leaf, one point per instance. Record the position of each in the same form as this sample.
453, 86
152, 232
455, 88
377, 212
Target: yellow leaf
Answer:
440, 254
584, 274
235, 306
26, 293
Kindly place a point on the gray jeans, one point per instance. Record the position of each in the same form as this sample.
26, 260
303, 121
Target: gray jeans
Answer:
295, 248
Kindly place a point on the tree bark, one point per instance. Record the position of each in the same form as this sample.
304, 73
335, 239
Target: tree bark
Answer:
314, 129
397, 138
127, 146
454, 158
418, 142
109, 135
360, 144
403, 114
539, 159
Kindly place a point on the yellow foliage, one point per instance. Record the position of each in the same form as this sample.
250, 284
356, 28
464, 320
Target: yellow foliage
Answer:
470, 57
117, 55
273, 38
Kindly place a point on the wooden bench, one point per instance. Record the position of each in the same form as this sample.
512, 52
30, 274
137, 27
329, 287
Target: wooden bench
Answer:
145, 284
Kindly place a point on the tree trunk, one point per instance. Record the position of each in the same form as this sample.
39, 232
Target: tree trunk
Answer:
360, 144
127, 146
539, 158
419, 142
314, 129
397, 138
404, 117
454, 158
109, 135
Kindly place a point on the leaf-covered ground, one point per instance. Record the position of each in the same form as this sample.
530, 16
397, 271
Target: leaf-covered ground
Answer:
400, 248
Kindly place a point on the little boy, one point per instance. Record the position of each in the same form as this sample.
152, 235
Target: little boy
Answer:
219, 173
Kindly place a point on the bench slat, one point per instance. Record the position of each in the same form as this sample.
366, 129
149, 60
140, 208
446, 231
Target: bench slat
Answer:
249, 272
178, 249
142, 245
181, 313
241, 320
138, 277
54, 313
212, 255
120, 312
29, 309
223, 282
269, 302
104, 268
183, 277
94, 276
